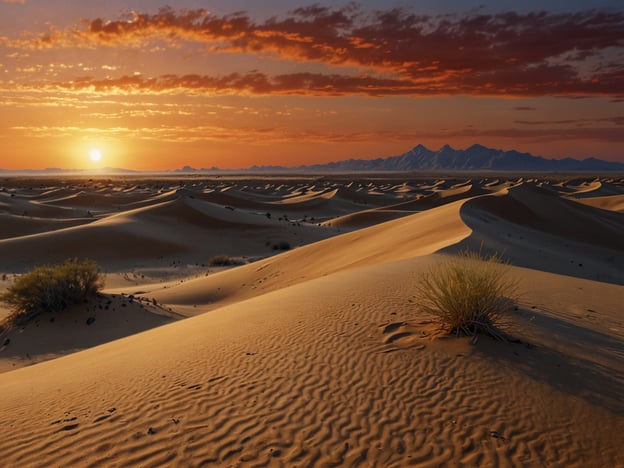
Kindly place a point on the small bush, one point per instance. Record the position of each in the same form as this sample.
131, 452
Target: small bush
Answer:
221, 260
468, 294
52, 288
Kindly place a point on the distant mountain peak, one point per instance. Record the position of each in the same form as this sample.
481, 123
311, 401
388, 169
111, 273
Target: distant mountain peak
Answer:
474, 158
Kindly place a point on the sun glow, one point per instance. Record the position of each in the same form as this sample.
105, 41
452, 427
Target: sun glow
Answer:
95, 155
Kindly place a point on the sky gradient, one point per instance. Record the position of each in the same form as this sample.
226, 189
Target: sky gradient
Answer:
239, 83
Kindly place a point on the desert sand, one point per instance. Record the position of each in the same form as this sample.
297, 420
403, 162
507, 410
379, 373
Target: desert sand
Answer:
312, 351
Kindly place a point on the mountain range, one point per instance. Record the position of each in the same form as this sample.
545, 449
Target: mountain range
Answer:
419, 158
474, 158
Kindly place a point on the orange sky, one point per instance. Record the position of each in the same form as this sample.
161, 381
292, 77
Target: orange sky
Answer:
197, 84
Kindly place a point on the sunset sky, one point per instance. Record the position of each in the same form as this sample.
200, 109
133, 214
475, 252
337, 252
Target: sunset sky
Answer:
237, 83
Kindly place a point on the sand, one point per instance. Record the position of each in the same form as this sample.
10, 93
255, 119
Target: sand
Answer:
318, 355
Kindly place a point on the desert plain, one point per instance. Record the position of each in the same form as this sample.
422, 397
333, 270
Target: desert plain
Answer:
311, 349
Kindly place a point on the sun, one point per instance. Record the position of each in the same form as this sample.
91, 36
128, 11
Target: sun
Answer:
95, 155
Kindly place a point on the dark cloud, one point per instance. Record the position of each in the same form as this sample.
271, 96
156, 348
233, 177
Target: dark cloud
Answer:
508, 53
616, 120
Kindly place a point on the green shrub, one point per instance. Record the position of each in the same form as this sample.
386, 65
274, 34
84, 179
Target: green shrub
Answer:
52, 288
221, 260
468, 293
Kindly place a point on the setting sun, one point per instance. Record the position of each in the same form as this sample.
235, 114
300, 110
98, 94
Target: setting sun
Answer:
95, 155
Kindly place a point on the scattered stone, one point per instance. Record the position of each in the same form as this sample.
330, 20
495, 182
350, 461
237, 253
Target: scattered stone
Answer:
90, 320
6, 341
151, 431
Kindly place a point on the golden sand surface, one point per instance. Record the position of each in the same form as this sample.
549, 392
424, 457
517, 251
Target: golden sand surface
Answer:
312, 350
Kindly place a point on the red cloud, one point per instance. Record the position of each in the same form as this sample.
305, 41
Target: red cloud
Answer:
250, 83
317, 84
501, 54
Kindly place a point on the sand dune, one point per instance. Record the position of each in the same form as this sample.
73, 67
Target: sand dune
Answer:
319, 356
421, 202
23, 206
182, 228
419, 234
534, 229
17, 226
608, 202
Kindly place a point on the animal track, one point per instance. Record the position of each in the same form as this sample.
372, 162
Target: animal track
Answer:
396, 336
392, 327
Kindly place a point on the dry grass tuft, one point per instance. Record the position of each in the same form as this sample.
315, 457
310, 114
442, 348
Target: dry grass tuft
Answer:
469, 294
52, 289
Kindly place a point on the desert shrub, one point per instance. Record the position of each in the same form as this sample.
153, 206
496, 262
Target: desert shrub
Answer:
52, 288
283, 245
221, 260
468, 293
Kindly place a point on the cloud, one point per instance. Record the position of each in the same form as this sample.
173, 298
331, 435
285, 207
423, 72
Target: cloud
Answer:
507, 53
616, 120
306, 84
252, 83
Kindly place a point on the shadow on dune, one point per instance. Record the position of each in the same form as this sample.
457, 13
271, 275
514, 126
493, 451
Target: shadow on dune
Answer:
535, 228
587, 363
101, 320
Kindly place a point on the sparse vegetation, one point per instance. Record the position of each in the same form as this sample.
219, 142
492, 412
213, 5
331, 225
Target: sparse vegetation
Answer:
468, 294
222, 260
52, 288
